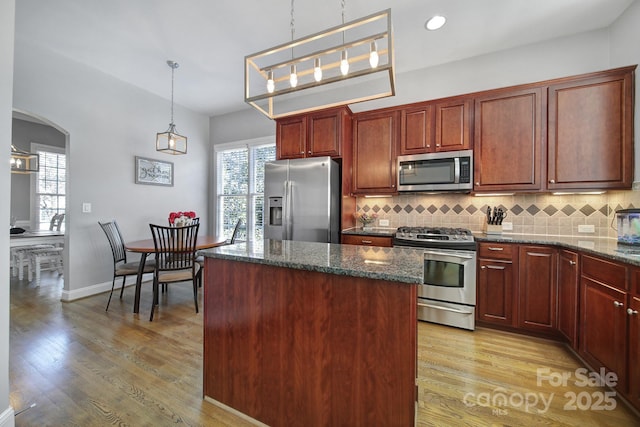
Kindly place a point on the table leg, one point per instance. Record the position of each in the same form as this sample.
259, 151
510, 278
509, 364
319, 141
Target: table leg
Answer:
136, 301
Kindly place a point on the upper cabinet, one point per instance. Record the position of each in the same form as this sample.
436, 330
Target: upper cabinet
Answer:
375, 136
508, 150
322, 133
591, 131
436, 126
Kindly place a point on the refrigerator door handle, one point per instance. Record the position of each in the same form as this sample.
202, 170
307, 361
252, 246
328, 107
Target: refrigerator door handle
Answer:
285, 211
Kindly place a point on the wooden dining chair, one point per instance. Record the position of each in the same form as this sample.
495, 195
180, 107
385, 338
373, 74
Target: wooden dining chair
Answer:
200, 258
121, 268
175, 258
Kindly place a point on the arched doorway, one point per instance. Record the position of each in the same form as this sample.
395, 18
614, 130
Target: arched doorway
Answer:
32, 206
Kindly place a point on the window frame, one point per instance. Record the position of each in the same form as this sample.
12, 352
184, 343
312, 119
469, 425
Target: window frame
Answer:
35, 205
251, 194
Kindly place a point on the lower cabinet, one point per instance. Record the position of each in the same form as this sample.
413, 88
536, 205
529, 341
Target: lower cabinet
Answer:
603, 319
537, 289
634, 343
568, 283
354, 239
496, 281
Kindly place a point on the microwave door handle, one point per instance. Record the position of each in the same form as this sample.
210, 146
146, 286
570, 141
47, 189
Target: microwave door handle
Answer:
456, 170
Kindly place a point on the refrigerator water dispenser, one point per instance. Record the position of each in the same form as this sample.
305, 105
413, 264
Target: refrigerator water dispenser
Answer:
275, 211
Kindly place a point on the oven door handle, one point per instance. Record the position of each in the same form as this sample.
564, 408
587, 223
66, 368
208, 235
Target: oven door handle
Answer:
437, 307
448, 254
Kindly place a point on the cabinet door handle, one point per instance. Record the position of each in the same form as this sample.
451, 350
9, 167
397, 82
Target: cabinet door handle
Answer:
572, 262
367, 242
309, 152
496, 249
631, 312
483, 267
477, 182
552, 181
618, 304
437, 145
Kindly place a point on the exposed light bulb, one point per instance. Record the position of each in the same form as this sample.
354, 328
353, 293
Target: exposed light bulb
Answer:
19, 163
317, 70
271, 85
344, 63
293, 78
13, 161
374, 58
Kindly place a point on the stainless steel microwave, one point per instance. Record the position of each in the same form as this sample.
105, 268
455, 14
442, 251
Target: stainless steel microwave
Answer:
444, 171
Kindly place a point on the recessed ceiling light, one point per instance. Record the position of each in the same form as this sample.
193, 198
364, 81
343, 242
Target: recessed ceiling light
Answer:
435, 22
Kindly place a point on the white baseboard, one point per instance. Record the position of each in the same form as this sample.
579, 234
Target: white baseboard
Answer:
87, 291
8, 418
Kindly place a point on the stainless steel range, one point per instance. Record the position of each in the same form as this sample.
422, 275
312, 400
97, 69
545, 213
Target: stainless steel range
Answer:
448, 293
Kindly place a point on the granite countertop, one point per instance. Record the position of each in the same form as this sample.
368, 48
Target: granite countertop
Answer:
393, 264
600, 246
371, 231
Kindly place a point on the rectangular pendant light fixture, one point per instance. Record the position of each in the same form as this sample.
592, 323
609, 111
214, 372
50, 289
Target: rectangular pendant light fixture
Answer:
349, 63
24, 162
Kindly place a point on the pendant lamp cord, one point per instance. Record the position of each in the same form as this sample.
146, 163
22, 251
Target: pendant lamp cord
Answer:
293, 27
343, 2
173, 70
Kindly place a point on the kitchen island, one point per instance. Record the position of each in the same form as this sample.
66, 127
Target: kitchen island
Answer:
299, 333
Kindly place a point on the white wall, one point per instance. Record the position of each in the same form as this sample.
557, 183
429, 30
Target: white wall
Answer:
108, 122
625, 50
7, 14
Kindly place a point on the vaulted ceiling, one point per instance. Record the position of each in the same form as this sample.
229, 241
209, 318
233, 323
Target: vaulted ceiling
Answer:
131, 40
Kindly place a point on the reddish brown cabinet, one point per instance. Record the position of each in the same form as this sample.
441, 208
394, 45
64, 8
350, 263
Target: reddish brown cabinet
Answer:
495, 287
509, 126
322, 133
375, 137
568, 281
590, 142
436, 126
354, 239
454, 121
603, 316
537, 289
633, 317
417, 129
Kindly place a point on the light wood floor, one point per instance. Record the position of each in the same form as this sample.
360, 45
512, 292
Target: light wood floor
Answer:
84, 367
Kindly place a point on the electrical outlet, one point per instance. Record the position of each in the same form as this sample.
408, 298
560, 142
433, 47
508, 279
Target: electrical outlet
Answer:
86, 207
384, 223
586, 228
507, 226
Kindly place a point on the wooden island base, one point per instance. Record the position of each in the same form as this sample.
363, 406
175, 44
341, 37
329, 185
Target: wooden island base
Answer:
294, 347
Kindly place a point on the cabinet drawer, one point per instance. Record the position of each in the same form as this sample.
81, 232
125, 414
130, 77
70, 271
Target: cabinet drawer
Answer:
350, 239
496, 250
604, 271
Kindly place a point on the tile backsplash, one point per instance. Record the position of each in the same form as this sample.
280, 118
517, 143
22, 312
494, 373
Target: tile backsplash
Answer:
542, 214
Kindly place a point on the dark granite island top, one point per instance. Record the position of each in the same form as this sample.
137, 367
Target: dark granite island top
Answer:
394, 264
302, 333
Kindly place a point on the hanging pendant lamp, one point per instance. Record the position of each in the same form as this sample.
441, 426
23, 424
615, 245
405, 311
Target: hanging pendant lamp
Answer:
24, 162
170, 141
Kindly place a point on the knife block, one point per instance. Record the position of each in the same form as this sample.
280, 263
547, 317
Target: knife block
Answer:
492, 228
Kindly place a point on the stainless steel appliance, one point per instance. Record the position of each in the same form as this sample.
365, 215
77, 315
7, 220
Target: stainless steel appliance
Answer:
448, 293
444, 171
302, 200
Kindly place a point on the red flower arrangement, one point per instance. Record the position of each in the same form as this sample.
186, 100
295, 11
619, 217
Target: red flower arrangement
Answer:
181, 217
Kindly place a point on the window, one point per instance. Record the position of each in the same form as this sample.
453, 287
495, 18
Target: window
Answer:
50, 183
240, 187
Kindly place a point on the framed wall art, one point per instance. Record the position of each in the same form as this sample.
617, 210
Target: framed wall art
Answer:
154, 172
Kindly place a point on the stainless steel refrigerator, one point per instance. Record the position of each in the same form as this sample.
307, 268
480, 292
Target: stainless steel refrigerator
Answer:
302, 200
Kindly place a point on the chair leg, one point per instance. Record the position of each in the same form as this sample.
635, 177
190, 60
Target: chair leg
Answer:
124, 279
154, 299
195, 293
113, 284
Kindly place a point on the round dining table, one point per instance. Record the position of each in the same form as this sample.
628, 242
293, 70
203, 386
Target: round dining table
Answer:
146, 247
